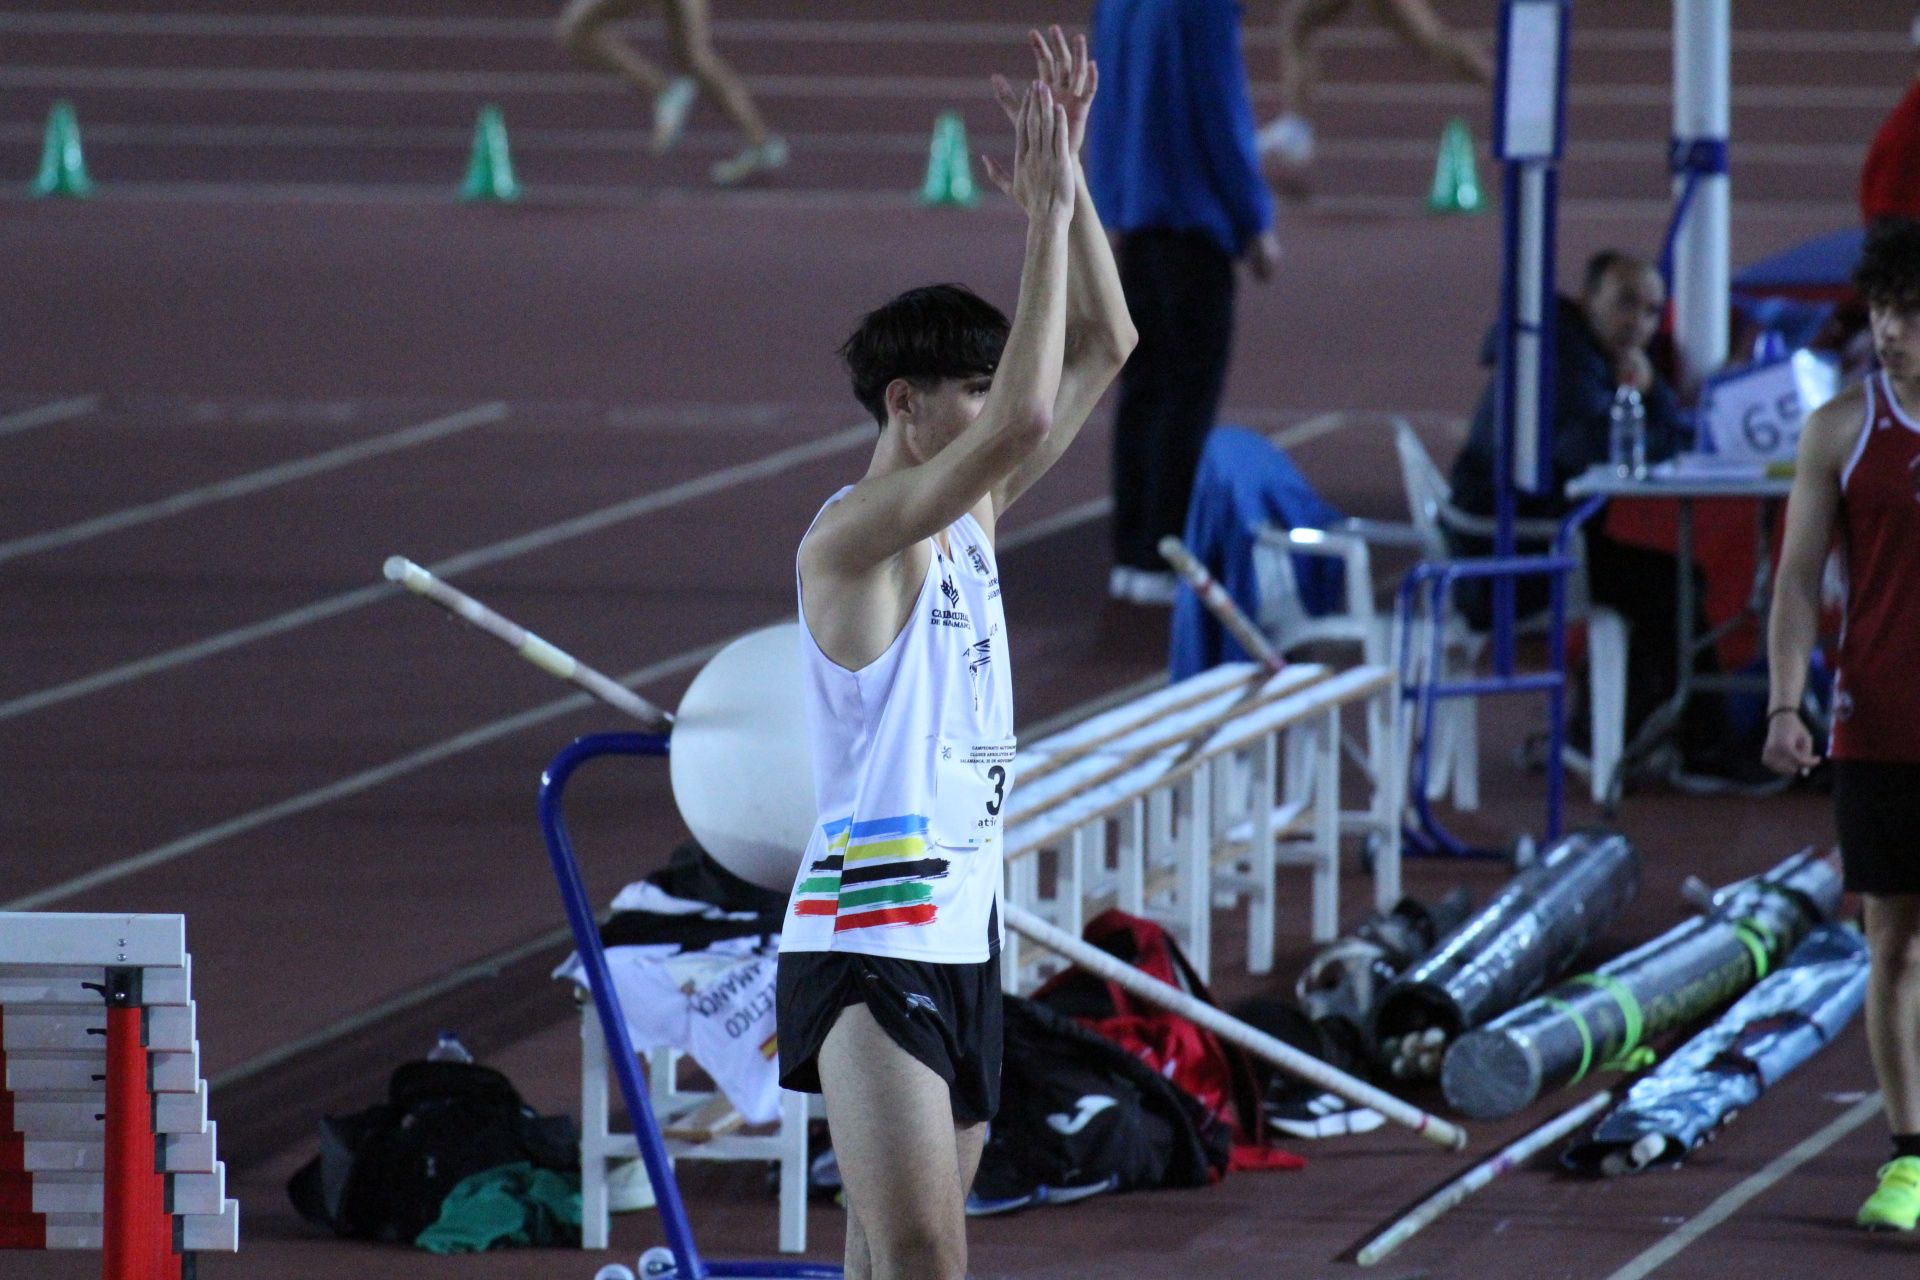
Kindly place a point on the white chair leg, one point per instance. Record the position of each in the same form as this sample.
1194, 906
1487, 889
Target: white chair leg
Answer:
1260, 909
1465, 765
1131, 858
595, 1219
793, 1172
1196, 871
1326, 831
1606, 695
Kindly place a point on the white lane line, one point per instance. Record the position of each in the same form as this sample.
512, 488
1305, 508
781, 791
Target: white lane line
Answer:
1731, 1201
346, 601
252, 482
456, 745
810, 31
1407, 206
44, 415
478, 970
354, 784
1093, 508
470, 84
713, 142
458, 138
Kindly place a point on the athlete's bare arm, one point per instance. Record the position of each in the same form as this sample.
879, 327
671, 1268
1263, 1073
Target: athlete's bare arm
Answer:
863, 563
1100, 333
1826, 442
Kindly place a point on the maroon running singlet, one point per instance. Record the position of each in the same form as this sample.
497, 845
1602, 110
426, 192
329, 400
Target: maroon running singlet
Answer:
1876, 690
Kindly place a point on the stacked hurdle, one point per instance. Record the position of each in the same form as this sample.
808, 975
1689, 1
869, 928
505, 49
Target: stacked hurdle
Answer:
104, 1137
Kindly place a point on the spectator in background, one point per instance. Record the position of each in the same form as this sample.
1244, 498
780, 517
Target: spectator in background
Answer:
1287, 141
1600, 345
1890, 178
1171, 161
586, 31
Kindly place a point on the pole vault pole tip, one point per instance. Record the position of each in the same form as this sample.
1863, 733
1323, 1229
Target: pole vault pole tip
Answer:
405, 572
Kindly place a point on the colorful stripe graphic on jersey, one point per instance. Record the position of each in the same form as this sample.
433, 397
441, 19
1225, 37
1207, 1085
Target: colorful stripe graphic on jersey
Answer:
873, 873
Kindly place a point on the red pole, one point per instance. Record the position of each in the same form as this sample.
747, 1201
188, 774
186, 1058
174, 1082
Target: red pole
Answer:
124, 1255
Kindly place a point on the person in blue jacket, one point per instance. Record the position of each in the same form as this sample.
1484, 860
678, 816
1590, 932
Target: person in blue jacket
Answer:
1172, 165
1600, 346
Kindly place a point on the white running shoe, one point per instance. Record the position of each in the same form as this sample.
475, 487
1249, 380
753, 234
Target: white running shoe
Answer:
670, 108
628, 1189
1303, 1114
769, 155
1288, 138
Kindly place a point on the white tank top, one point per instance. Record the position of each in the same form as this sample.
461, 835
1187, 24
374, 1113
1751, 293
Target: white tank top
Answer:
912, 765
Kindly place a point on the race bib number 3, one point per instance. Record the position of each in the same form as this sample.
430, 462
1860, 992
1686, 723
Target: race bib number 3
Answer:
971, 783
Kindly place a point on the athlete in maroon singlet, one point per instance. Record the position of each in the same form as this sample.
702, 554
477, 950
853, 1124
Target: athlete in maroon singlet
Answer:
1856, 489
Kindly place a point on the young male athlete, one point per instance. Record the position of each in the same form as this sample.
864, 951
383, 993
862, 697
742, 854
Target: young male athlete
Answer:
889, 985
1856, 485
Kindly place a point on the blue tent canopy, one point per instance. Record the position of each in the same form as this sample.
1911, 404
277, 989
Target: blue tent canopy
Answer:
1819, 269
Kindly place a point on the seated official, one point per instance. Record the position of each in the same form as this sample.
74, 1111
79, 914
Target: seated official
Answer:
1600, 344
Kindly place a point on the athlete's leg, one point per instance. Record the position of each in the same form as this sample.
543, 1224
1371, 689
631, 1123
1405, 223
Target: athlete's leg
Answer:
1299, 63
1417, 24
893, 1131
1893, 1004
969, 1140
690, 30
858, 1262
585, 30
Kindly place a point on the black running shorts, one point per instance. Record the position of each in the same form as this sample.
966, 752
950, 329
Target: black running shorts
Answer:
946, 1015
1876, 805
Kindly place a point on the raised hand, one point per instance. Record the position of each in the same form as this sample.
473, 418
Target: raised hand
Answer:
1042, 181
1070, 74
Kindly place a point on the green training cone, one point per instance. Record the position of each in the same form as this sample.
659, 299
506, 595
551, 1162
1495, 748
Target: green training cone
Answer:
490, 166
1456, 182
949, 164
63, 168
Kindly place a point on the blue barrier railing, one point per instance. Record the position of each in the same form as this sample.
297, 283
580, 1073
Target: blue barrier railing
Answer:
613, 1023
1430, 584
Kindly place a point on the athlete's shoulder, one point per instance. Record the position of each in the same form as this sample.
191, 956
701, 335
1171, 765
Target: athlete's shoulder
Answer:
1828, 435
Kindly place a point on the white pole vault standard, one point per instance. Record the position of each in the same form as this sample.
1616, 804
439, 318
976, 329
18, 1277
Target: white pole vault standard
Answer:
1253, 1040
1219, 603
1509, 1157
549, 658
1701, 59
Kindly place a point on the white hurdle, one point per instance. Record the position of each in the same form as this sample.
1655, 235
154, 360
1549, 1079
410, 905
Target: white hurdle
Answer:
104, 1137
1194, 794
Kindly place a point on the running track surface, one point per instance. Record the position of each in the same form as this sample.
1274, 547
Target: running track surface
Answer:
276, 352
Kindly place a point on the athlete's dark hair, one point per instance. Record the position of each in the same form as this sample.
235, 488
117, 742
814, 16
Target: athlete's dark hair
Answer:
924, 335
1888, 273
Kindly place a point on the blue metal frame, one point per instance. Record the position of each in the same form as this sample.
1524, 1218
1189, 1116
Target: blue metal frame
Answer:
1689, 159
1434, 580
613, 1022
1437, 577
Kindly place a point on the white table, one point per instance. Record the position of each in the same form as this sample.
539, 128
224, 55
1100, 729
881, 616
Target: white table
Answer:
1684, 482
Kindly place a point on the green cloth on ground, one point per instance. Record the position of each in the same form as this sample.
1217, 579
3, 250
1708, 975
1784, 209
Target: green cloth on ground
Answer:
511, 1204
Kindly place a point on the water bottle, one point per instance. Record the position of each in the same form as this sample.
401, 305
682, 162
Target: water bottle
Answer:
449, 1049
1627, 435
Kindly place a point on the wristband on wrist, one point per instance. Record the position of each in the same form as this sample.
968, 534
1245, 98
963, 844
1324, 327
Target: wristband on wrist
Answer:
1782, 711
